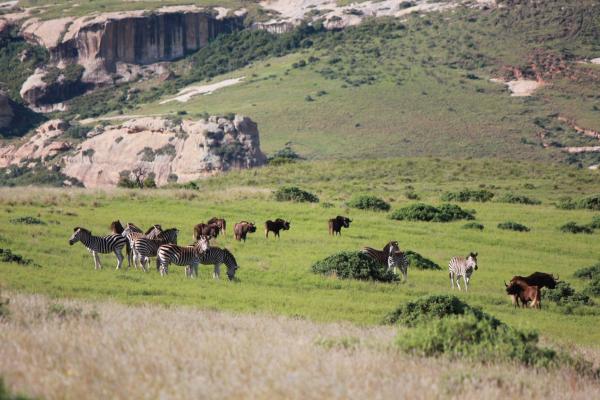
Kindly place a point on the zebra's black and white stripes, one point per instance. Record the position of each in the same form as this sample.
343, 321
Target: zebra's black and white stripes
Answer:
397, 259
217, 256
461, 266
99, 245
180, 255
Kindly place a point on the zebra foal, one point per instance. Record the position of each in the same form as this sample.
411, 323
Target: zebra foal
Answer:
99, 245
397, 259
462, 266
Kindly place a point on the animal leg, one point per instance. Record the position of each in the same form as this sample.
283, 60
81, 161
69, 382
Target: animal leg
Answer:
95, 257
217, 272
451, 280
457, 282
194, 270
466, 283
119, 257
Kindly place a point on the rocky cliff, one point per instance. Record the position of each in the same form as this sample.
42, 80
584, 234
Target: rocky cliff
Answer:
105, 44
171, 151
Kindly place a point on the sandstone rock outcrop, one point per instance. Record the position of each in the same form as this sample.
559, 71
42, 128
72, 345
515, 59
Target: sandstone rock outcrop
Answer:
41, 146
171, 150
6, 111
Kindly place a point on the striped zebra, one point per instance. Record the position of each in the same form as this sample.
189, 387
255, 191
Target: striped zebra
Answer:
397, 259
190, 256
132, 232
460, 266
381, 256
146, 247
216, 256
99, 244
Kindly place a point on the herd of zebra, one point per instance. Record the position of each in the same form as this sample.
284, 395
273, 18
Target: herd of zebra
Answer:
162, 244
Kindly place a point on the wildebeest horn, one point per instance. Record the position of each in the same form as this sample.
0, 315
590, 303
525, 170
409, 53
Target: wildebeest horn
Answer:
505, 284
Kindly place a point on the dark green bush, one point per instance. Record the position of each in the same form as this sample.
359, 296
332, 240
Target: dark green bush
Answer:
39, 175
590, 203
518, 199
365, 202
513, 226
588, 272
566, 203
564, 294
595, 224
8, 256
593, 289
572, 227
284, 156
27, 221
353, 265
415, 260
481, 195
433, 307
473, 225
293, 193
425, 212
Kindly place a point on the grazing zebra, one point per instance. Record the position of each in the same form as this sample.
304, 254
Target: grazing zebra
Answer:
464, 267
145, 247
181, 255
216, 256
99, 244
381, 256
398, 259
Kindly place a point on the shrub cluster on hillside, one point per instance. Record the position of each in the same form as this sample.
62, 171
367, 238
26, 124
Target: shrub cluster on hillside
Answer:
444, 325
366, 202
37, 176
513, 226
284, 156
563, 294
293, 193
27, 220
425, 212
353, 265
6, 255
588, 203
518, 199
480, 195
573, 227
473, 225
588, 272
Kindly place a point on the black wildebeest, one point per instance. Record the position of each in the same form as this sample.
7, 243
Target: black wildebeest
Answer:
537, 279
276, 226
202, 229
519, 290
336, 224
242, 228
220, 222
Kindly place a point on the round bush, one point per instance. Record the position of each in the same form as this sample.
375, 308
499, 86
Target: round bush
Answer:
593, 289
425, 212
564, 294
473, 225
588, 272
353, 265
590, 203
513, 226
572, 227
372, 203
293, 193
468, 195
415, 260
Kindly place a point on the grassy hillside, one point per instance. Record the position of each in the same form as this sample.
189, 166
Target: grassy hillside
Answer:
396, 88
275, 275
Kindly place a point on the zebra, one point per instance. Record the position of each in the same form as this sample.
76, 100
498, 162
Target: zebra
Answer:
381, 256
131, 233
99, 244
398, 259
146, 247
459, 266
216, 256
181, 255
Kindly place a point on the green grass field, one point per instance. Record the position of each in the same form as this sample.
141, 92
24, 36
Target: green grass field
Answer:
275, 275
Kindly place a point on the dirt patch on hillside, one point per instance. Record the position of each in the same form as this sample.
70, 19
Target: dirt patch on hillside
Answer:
191, 91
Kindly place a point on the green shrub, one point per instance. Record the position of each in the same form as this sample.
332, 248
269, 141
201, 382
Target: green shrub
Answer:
425, 212
564, 294
566, 203
468, 195
572, 227
415, 260
473, 225
284, 156
518, 199
27, 221
8, 256
431, 308
38, 175
595, 224
590, 203
293, 193
469, 337
513, 226
588, 272
366, 202
353, 265
593, 289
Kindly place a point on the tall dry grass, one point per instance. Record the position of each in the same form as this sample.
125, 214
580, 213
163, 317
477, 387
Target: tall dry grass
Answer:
78, 350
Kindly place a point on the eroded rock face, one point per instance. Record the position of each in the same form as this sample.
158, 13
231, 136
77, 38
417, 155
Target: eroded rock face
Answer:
172, 150
6, 112
42, 145
135, 37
